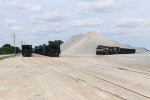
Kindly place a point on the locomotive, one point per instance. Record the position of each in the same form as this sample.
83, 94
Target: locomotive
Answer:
109, 50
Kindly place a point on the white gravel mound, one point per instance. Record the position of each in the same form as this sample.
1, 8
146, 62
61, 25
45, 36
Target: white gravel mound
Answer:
141, 50
87, 43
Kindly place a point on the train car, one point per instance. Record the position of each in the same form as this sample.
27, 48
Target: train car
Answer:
53, 50
132, 51
27, 50
123, 51
127, 51
49, 50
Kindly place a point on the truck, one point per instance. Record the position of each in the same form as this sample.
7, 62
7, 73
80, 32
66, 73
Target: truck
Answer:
26, 50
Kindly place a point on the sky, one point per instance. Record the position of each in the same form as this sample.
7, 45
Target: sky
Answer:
38, 21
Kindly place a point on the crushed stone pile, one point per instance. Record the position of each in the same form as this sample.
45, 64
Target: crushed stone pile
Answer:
87, 43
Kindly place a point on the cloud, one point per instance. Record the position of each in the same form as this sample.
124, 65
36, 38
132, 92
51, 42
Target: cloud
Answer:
48, 27
9, 2
12, 24
131, 22
126, 32
129, 27
50, 16
94, 6
30, 7
20, 5
86, 22
50, 22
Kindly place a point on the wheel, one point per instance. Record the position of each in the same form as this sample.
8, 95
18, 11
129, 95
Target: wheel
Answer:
58, 55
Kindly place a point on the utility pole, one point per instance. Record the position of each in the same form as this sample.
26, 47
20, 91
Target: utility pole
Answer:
21, 42
14, 36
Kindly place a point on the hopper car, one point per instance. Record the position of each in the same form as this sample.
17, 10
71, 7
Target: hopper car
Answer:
27, 50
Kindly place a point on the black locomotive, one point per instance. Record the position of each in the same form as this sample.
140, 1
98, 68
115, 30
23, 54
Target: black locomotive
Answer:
108, 50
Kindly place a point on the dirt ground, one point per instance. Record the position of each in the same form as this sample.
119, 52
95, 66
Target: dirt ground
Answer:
115, 77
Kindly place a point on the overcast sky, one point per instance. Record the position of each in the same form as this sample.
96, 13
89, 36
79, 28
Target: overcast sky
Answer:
37, 21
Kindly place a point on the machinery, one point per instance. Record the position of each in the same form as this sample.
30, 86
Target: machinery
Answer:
100, 50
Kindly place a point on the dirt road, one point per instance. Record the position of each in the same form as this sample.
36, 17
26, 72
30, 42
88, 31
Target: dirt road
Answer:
118, 77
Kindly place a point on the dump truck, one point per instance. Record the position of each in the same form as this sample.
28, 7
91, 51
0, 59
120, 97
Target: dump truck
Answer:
27, 50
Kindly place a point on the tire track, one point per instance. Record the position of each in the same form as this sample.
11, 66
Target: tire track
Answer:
78, 79
134, 92
55, 63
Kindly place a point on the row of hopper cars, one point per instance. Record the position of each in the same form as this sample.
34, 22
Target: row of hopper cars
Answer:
49, 50
107, 50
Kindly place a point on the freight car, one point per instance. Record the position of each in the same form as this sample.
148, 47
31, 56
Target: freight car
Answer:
127, 51
52, 50
26, 50
132, 51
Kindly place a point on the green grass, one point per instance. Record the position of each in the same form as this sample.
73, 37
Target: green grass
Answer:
1, 58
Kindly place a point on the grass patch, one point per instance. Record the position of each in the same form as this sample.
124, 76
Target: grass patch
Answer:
4, 57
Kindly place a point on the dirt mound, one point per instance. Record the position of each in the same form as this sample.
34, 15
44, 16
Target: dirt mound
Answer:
141, 50
87, 43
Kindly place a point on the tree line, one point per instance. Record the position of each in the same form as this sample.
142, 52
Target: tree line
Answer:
55, 42
8, 49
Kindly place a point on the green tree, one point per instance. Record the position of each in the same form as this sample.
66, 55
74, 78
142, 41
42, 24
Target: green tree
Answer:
8, 49
36, 47
57, 42
7, 45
